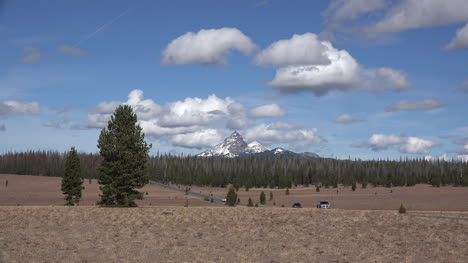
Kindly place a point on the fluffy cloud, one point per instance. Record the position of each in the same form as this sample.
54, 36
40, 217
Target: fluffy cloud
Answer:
30, 54
267, 111
203, 122
417, 145
374, 17
413, 145
12, 108
379, 142
411, 14
198, 139
275, 133
299, 50
405, 105
207, 46
342, 73
173, 118
68, 50
346, 118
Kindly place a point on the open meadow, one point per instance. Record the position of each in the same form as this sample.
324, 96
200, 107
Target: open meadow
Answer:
41, 190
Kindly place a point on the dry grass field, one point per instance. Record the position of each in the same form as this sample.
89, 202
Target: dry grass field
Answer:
363, 226
40, 190
222, 234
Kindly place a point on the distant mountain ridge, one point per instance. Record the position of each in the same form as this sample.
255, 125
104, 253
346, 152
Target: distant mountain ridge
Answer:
235, 146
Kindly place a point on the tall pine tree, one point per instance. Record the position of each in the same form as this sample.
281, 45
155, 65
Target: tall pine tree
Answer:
72, 181
124, 151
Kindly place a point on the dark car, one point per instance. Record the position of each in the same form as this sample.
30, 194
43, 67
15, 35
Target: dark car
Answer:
297, 205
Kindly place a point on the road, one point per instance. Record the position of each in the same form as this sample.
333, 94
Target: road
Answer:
199, 195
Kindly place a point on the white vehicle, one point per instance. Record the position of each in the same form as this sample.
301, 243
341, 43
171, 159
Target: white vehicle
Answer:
323, 204
223, 200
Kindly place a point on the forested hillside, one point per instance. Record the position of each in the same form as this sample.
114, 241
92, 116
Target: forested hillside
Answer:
257, 172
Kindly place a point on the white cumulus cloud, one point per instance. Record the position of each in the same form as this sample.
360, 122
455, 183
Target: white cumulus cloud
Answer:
267, 111
11, 108
405, 105
410, 144
342, 73
198, 139
417, 145
207, 46
376, 17
275, 133
299, 50
379, 142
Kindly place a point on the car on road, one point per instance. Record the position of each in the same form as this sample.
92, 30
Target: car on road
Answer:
297, 205
223, 200
323, 204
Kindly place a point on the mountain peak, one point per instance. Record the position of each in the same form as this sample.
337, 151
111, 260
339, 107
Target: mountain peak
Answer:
234, 146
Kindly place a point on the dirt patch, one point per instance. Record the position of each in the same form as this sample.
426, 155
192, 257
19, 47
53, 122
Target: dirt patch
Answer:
221, 234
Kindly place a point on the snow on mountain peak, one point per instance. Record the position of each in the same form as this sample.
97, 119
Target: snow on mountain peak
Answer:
230, 147
255, 147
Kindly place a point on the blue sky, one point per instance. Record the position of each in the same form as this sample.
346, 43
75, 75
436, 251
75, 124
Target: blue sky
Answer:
360, 78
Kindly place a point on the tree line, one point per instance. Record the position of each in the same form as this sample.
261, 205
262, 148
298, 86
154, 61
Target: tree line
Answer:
255, 171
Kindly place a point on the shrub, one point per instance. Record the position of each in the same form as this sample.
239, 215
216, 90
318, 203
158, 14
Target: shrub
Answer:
250, 202
6, 183
287, 191
353, 186
271, 196
402, 209
317, 188
186, 203
256, 204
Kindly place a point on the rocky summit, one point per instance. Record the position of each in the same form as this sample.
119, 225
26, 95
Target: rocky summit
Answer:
235, 146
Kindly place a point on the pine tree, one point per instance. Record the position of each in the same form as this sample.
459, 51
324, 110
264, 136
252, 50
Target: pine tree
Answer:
72, 181
231, 197
125, 153
250, 202
271, 196
262, 198
353, 186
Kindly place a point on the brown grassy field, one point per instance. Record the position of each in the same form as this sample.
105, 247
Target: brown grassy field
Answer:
40, 190
222, 234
